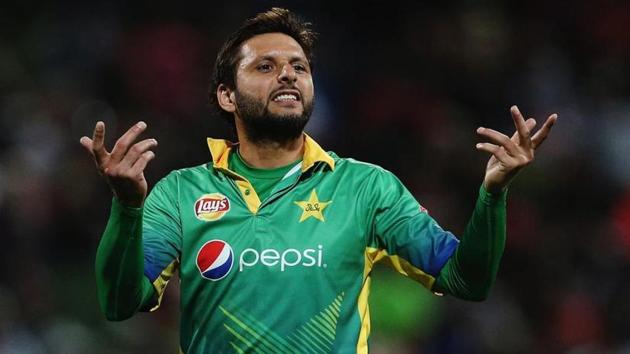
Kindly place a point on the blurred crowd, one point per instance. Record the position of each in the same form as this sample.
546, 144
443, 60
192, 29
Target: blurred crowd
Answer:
399, 84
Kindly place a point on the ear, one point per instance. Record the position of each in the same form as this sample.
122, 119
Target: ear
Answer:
225, 97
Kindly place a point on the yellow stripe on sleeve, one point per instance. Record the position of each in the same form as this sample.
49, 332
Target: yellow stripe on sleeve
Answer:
162, 280
402, 266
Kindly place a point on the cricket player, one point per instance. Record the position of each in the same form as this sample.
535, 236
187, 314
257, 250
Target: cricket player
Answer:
274, 239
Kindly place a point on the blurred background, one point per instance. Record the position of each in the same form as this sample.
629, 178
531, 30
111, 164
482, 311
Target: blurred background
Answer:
399, 84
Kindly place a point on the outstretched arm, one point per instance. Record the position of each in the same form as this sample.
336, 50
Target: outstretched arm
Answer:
122, 287
471, 271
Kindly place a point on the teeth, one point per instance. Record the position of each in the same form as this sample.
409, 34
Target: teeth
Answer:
286, 97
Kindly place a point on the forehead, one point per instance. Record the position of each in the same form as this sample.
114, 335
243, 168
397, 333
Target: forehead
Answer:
275, 45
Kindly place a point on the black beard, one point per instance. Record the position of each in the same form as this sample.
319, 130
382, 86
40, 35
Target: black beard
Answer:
262, 127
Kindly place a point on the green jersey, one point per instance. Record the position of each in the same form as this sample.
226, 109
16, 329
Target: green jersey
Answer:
289, 273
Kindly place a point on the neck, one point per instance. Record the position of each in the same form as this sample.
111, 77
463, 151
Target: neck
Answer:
267, 155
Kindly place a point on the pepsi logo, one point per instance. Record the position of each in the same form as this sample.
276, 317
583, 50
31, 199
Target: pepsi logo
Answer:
211, 207
215, 259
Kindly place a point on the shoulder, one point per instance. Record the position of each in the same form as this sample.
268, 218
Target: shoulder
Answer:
186, 175
359, 168
364, 177
373, 184
191, 172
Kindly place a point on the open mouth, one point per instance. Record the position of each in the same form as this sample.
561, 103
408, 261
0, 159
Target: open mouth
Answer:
286, 96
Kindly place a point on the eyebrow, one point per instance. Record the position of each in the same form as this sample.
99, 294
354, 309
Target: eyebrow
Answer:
293, 59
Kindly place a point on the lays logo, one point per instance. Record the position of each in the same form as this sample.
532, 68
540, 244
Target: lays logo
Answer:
211, 207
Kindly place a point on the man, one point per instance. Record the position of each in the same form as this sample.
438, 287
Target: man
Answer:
275, 239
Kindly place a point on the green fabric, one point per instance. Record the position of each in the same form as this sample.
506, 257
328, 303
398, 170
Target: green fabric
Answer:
263, 180
122, 288
288, 277
471, 272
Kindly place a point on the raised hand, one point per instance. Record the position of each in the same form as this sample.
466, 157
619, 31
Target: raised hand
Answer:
123, 167
510, 155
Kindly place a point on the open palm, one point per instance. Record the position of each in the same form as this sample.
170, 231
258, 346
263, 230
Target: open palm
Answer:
510, 155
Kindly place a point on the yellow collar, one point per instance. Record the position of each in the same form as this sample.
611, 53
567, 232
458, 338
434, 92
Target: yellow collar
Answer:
220, 150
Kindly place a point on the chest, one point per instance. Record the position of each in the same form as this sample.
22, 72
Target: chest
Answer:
309, 230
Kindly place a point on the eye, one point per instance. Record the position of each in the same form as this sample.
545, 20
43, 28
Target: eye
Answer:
299, 67
264, 67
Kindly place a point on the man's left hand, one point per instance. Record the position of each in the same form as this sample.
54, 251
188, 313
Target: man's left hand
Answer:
510, 155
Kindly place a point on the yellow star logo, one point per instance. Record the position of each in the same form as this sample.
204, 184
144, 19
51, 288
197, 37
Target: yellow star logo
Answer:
312, 207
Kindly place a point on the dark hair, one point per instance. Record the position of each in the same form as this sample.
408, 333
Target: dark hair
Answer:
274, 20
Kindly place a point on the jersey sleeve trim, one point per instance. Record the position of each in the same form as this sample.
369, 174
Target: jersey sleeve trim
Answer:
162, 280
363, 306
402, 266
372, 256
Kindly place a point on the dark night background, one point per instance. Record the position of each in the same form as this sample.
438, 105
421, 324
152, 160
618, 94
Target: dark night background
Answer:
399, 84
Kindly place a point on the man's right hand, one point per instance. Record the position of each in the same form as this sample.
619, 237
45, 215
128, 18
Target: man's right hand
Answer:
123, 167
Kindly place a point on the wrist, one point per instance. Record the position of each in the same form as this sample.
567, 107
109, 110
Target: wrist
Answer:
127, 202
492, 197
493, 188
124, 208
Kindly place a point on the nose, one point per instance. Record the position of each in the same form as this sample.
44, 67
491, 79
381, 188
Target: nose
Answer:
287, 74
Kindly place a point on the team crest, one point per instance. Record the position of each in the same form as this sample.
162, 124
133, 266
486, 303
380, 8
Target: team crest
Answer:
312, 207
211, 207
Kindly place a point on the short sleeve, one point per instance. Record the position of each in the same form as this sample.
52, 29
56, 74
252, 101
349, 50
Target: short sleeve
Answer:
403, 234
162, 234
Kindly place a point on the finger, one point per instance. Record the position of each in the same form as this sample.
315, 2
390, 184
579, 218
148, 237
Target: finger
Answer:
521, 127
541, 134
124, 142
530, 123
496, 151
87, 144
141, 163
98, 143
499, 139
135, 152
